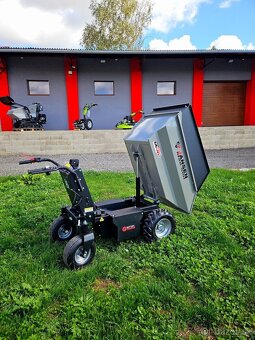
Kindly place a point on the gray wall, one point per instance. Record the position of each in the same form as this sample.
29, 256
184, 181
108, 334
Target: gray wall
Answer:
21, 69
154, 70
222, 70
110, 109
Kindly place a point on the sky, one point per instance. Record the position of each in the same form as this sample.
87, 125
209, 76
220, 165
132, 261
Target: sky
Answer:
176, 24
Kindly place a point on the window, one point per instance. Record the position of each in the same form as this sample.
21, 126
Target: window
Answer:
38, 87
104, 88
166, 88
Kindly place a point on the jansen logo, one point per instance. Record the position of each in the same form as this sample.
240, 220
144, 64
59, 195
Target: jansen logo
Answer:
128, 228
181, 160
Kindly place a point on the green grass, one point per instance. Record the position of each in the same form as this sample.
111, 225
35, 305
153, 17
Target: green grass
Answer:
197, 283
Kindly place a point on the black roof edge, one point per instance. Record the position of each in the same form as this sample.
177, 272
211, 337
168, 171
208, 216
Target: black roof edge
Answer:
128, 53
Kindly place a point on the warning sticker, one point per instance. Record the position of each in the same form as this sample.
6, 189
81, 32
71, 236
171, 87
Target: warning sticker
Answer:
88, 209
157, 148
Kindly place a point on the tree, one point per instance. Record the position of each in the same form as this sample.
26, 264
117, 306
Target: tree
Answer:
117, 24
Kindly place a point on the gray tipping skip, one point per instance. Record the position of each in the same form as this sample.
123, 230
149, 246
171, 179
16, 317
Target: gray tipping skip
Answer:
172, 164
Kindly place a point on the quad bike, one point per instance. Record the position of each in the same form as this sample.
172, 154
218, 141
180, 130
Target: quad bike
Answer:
128, 122
25, 116
170, 167
85, 123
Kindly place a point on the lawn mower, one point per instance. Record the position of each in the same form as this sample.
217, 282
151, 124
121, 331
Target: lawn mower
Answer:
86, 122
128, 122
30, 117
170, 166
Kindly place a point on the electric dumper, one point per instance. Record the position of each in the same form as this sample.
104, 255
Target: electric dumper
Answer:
170, 167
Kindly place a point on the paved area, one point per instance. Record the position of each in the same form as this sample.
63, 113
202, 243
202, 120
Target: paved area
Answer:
232, 158
228, 159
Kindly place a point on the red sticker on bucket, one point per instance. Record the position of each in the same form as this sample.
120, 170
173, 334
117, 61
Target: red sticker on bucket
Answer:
157, 148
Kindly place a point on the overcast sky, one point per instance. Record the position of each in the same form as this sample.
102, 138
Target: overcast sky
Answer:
176, 24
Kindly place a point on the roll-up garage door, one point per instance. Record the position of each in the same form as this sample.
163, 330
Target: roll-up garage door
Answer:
223, 103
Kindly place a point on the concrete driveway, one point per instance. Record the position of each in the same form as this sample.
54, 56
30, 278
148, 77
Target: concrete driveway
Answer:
228, 159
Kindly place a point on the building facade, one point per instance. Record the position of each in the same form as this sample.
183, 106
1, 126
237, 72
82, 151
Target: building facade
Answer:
220, 85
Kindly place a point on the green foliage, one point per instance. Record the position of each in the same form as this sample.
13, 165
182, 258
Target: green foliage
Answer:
23, 300
196, 284
117, 24
28, 179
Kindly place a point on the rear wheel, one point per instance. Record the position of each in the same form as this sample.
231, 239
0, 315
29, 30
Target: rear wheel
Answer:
61, 229
89, 124
158, 224
78, 254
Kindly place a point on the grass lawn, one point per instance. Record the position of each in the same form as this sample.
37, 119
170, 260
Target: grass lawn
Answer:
198, 283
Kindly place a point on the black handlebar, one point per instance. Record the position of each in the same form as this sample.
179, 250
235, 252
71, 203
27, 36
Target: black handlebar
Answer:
28, 161
46, 170
38, 160
49, 169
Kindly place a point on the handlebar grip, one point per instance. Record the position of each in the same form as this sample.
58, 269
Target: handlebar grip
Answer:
27, 161
41, 170
35, 171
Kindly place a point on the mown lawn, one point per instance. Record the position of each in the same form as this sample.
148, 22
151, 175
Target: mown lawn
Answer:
199, 283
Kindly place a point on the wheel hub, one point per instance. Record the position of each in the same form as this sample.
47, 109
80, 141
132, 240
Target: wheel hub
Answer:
163, 228
82, 255
89, 125
64, 232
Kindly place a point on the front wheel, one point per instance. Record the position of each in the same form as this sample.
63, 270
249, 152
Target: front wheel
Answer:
61, 229
158, 224
78, 253
89, 124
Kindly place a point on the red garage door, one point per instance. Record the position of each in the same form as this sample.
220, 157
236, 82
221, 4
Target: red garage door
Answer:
223, 103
